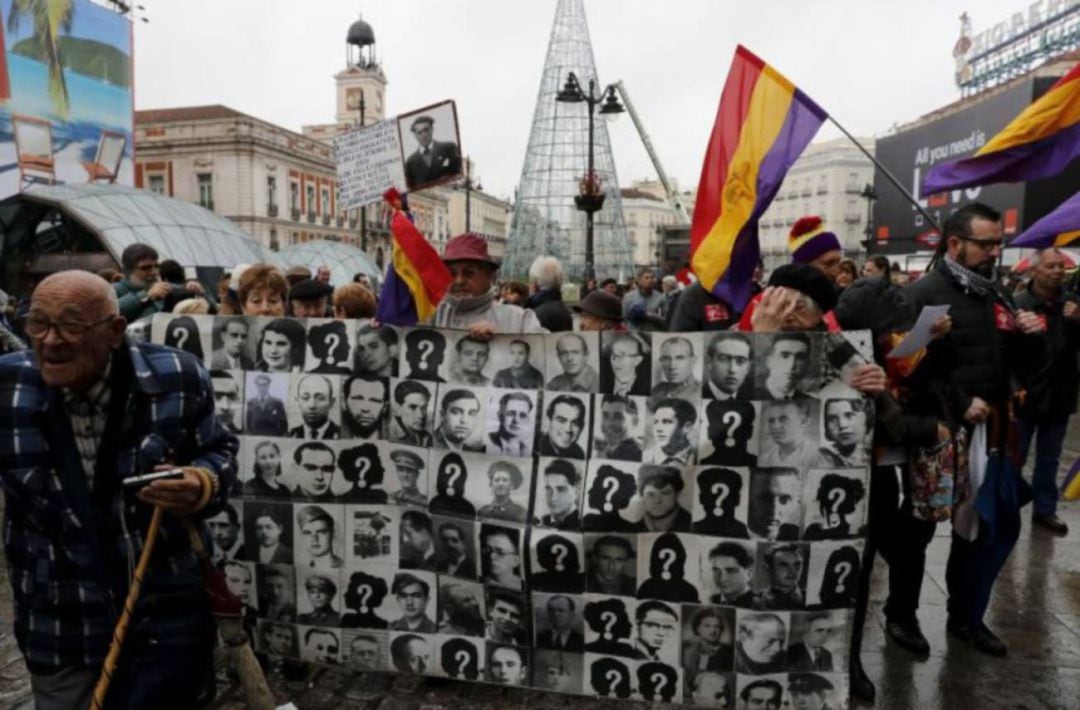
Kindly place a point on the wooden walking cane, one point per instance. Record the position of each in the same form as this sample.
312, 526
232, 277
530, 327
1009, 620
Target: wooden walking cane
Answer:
117, 643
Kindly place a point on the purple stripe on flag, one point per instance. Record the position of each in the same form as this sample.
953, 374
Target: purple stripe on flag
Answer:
1065, 218
800, 125
396, 305
1030, 161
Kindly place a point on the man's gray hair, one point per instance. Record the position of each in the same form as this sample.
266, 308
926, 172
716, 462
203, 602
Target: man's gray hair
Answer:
546, 272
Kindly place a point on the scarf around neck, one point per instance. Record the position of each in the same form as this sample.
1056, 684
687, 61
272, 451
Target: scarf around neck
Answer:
968, 278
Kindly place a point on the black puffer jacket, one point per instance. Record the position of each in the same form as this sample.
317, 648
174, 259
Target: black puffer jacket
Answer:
981, 353
1052, 388
550, 310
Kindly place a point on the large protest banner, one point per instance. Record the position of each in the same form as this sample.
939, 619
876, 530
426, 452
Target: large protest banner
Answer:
674, 517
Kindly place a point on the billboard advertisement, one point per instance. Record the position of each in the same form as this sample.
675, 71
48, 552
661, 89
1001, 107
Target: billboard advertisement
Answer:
66, 111
899, 228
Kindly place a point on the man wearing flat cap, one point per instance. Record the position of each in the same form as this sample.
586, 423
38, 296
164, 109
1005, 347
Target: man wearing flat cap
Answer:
308, 298
809, 691
470, 303
408, 466
600, 311
504, 478
432, 159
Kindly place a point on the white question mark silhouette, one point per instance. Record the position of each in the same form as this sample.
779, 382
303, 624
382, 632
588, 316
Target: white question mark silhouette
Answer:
364, 591
836, 497
365, 465
462, 657
331, 348
660, 682
455, 473
733, 420
609, 618
560, 554
668, 556
721, 491
611, 485
181, 335
613, 677
842, 569
426, 348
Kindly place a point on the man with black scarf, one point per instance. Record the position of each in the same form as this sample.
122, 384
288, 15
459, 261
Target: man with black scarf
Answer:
971, 368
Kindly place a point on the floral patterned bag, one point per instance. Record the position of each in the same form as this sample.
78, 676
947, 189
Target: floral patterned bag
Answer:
939, 477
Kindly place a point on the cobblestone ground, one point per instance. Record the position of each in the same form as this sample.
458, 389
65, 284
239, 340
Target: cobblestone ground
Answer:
1036, 610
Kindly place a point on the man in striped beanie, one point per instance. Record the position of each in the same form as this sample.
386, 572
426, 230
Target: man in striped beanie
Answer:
810, 243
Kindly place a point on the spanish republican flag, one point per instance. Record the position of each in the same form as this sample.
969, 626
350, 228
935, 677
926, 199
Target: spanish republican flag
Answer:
1038, 143
762, 126
417, 278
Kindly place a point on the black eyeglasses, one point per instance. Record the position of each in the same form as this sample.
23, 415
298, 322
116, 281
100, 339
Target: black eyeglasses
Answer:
984, 244
71, 331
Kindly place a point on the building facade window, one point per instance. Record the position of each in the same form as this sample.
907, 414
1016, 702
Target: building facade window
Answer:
310, 194
294, 197
271, 195
206, 190
156, 184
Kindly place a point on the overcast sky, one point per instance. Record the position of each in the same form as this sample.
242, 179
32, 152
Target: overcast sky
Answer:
869, 63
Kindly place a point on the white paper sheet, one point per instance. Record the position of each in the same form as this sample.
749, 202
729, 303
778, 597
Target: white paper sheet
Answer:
919, 336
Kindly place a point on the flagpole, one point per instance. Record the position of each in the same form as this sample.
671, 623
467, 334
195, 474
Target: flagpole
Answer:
889, 176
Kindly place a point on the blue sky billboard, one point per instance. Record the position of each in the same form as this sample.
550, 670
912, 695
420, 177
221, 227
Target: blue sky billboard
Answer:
66, 103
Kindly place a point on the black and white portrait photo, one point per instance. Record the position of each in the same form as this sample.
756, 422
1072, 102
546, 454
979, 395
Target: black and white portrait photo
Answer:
317, 600
501, 558
451, 479
461, 418
470, 362
188, 333
671, 435
818, 641
572, 362
557, 671
847, 430
611, 567
677, 366
423, 356
313, 469
710, 689
277, 639
835, 504
565, 426
618, 426
500, 490
406, 478
412, 652
609, 625
228, 398
557, 561
625, 363
518, 361
455, 546
666, 494
225, 532
320, 645
329, 346
313, 407
415, 595
264, 409
277, 591
461, 608
558, 493
511, 422
656, 631
775, 504
362, 468
412, 412
659, 682
721, 502
372, 535
507, 617
708, 639
365, 650
730, 433
611, 500
790, 434
833, 579
376, 352
558, 624
417, 551
318, 536
430, 145
365, 407
787, 366
727, 573
229, 344
729, 363
668, 567
609, 677
507, 665
268, 532
780, 580
760, 641
280, 345
845, 354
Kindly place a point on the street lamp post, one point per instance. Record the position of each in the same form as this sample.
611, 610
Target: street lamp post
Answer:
363, 208
869, 195
590, 197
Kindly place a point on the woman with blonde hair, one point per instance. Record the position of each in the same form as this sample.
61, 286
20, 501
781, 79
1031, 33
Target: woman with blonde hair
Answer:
353, 301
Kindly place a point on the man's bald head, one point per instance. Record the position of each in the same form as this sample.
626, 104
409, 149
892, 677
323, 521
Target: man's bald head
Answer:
74, 324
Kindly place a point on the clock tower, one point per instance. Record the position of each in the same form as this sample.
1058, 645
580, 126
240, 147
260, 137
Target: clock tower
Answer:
362, 84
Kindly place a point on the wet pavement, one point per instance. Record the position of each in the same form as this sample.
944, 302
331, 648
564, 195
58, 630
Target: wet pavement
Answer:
1035, 610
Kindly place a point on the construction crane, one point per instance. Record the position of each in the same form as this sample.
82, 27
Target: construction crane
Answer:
672, 194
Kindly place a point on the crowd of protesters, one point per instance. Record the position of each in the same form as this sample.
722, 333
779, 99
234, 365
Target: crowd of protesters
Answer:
68, 399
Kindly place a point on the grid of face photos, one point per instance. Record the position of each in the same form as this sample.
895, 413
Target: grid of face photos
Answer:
664, 517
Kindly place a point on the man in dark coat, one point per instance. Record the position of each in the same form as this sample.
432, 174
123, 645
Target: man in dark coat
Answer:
546, 280
432, 159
